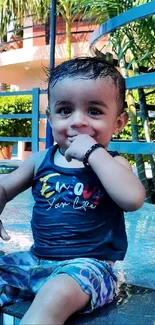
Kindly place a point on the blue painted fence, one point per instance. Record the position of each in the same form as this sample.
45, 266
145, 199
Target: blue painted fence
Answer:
121, 146
143, 80
34, 116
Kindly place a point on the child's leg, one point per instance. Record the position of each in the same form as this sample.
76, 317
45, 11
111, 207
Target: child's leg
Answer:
57, 299
14, 277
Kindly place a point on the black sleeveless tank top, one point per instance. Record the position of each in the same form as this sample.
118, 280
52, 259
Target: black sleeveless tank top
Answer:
73, 215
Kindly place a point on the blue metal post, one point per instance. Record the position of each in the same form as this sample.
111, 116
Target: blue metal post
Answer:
49, 136
35, 120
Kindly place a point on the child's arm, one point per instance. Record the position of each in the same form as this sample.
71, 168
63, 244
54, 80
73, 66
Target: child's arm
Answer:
114, 173
117, 177
15, 183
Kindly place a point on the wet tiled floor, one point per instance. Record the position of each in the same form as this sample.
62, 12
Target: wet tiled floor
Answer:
138, 266
135, 304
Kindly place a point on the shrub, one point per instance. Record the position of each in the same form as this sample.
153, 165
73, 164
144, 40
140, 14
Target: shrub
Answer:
15, 127
126, 134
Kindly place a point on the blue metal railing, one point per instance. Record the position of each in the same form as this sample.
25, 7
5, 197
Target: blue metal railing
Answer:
119, 145
143, 80
138, 12
34, 116
129, 147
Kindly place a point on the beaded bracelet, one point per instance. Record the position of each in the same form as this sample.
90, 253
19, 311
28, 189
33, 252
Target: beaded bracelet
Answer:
92, 148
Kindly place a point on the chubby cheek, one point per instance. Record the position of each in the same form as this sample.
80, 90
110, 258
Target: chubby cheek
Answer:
103, 136
59, 133
59, 128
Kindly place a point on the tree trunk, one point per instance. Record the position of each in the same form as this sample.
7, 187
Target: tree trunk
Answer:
3, 86
5, 152
146, 126
68, 39
139, 159
134, 127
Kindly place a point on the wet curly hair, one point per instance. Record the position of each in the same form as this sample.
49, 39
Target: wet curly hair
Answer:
88, 68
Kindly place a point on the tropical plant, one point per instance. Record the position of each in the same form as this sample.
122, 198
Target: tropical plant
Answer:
70, 10
17, 9
124, 43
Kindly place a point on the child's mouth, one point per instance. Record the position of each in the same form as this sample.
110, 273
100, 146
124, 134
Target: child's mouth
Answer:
71, 139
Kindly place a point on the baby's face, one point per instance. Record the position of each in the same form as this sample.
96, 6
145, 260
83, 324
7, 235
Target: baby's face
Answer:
81, 106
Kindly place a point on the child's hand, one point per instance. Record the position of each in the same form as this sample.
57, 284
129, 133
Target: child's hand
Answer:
3, 233
78, 148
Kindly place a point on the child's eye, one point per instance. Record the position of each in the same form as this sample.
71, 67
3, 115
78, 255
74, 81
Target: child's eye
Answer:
94, 111
64, 111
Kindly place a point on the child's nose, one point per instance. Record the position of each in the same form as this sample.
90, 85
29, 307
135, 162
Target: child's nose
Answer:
79, 119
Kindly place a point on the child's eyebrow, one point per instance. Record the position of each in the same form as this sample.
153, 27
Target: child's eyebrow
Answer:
97, 102
89, 102
62, 102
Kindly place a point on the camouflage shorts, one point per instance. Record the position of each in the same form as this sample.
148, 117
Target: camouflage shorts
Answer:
22, 274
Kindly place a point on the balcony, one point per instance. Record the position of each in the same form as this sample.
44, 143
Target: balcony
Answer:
22, 58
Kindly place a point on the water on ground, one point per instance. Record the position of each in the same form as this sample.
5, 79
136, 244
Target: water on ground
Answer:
138, 267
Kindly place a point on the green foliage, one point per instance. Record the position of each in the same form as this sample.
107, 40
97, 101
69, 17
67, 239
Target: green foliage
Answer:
15, 127
150, 96
39, 9
17, 9
136, 38
126, 134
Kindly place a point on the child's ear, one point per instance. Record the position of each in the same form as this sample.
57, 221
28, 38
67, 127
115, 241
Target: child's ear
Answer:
121, 122
48, 114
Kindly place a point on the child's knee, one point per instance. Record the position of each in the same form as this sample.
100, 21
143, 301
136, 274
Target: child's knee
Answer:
63, 293
57, 299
